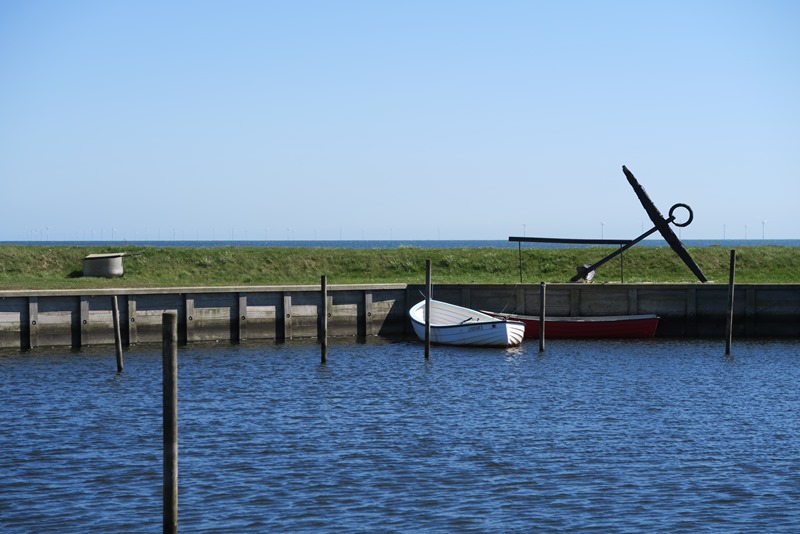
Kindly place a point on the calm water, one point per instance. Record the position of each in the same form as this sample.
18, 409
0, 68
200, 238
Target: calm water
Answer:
648, 436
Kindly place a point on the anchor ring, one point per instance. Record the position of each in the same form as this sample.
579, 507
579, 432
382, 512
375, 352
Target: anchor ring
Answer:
672, 216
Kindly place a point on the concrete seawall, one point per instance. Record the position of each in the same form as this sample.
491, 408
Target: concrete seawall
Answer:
76, 318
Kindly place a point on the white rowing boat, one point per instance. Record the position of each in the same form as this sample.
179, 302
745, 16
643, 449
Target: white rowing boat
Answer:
455, 325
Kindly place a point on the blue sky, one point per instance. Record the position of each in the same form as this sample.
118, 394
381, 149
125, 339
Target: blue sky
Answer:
396, 120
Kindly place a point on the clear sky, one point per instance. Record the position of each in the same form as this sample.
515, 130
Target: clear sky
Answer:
396, 120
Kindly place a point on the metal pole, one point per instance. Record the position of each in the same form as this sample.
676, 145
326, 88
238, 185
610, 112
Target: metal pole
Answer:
169, 338
729, 324
428, 289
117, 335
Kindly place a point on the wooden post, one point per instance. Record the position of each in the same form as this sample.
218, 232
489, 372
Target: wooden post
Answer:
169, 338
117, 335
324, 318
542, 314
428, 289
729, 328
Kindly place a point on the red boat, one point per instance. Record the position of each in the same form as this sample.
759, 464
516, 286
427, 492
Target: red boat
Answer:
615, 326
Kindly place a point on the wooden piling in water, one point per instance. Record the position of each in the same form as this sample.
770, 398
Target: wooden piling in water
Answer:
117, 335
428, 290
324, 318
729, 322
169, 337
542, 314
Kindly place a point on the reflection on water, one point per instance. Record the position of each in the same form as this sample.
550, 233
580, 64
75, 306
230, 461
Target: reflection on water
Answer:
637, 436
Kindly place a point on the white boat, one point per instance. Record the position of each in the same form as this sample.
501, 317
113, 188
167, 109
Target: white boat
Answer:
455, 325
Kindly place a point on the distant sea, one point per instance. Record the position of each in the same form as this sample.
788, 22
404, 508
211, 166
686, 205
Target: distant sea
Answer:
436, 243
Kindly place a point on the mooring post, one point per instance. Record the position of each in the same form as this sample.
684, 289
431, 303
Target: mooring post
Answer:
542, 314
324, 318
117, 335
169, 338
428, 289
729, 323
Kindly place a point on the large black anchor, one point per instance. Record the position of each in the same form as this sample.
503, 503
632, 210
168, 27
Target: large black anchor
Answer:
661, 225
586, 272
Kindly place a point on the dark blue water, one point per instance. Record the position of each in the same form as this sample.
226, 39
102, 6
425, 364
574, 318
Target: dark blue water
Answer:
638, 436
727, 243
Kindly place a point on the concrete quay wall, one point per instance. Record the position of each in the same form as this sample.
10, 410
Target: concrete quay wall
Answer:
76, 318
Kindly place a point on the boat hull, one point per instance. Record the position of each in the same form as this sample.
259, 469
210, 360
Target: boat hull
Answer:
458, 326
594, 327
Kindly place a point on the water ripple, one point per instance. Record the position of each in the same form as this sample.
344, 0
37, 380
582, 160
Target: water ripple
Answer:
613, 436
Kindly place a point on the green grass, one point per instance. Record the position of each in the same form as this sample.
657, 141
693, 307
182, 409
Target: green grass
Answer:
60, 267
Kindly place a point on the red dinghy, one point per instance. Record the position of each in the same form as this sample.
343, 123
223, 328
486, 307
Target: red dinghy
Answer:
616, 326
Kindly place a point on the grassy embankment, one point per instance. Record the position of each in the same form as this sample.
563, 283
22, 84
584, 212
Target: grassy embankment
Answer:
60, 267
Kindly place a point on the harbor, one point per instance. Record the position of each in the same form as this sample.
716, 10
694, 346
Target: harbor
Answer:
399, 267
80, 318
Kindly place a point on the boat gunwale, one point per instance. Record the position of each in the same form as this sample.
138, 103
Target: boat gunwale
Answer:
577, 318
